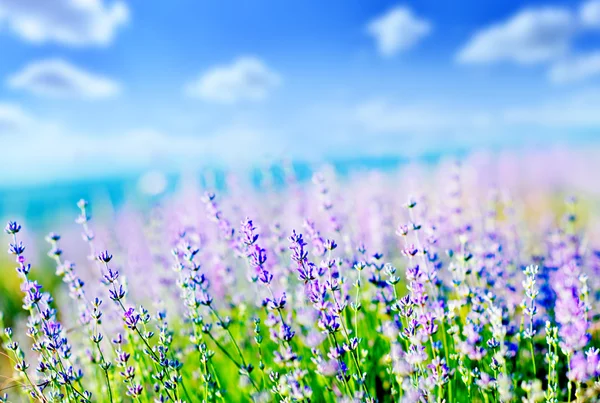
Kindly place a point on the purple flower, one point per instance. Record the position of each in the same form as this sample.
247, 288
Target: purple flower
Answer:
570, 311
286, 333
579, 368
297, 245
485, 381
330, 244
316, 292
265, 276
52, 237
111, 276
105, 257
12, 228
418, 295
329, 322
123, 357
247, 232
410, 251
427, 322
593, 362
23, 268
134, 390
212, 208
402, 230
439, 371
131, 318
413, 273
205, 298
16, 248
118, 339
317, 241
416, 355
307, 272
33, 294
472, 333
52, 329
117, 294
574, 335
257, 255
405, 306
276, 303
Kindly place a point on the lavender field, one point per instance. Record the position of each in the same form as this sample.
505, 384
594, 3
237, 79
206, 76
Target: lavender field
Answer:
460, 282
316, 201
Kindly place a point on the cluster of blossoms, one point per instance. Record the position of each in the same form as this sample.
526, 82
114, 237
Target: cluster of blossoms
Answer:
325, 292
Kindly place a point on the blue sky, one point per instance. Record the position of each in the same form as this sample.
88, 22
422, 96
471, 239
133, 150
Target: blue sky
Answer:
103, 87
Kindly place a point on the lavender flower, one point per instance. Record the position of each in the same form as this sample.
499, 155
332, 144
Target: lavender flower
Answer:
378, 299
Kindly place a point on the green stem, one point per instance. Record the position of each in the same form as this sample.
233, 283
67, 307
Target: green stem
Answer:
446, 351
237, 364
569, 386
214, 311
533, 357
334, 342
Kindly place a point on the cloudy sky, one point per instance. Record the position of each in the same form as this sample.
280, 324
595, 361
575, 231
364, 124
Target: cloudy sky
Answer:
104, 87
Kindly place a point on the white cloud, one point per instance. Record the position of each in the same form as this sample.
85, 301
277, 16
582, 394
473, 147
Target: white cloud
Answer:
153, 183
530, 36
70, 22
578, 110
571, 111
147, 147
589, 14
576, 68
398, 30
380, 116
246, 79
379, 127
59, 153
13, 118
58, 78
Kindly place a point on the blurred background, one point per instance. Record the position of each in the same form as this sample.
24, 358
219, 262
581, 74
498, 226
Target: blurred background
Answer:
107, 91
124, 101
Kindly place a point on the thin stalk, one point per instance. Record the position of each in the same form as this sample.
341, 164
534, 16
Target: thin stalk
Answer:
569, 385
239, 351
532, 357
